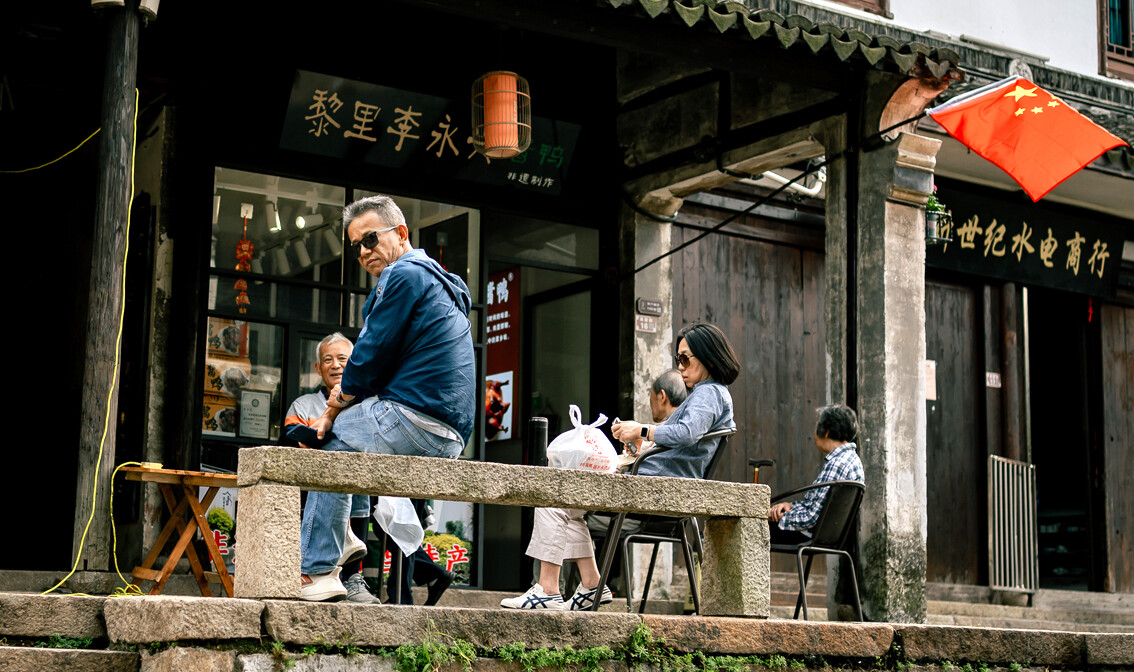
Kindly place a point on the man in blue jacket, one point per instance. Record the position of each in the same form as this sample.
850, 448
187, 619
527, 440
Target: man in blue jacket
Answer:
409, 386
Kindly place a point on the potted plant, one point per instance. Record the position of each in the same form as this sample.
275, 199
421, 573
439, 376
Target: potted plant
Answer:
934, 211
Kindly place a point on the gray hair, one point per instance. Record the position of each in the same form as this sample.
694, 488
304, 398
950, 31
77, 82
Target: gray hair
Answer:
837, 422
333, 338
388, 211
671, 383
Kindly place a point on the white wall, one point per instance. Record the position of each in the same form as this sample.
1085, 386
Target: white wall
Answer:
1065, 31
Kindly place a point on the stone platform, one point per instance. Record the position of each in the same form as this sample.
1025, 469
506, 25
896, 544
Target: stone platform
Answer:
135, 633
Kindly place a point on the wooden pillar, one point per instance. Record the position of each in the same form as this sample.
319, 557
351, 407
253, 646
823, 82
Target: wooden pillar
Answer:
116, 143
1012, 379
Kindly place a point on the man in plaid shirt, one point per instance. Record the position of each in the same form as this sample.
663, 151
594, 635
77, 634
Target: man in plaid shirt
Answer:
836, 428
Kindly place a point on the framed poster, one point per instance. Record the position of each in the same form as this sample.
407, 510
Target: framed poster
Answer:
255, 414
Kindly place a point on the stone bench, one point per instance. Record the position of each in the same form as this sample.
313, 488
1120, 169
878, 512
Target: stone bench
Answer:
735, 568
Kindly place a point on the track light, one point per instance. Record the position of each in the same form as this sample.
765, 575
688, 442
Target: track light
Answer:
272, 213
303, 221
333, 242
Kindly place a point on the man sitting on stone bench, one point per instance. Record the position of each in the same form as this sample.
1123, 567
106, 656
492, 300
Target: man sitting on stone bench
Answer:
408, 388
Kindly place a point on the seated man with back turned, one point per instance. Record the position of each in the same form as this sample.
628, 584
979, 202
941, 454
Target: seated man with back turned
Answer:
835, 429
408, 387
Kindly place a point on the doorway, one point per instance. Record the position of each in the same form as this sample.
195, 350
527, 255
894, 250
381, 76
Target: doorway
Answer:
1064, 374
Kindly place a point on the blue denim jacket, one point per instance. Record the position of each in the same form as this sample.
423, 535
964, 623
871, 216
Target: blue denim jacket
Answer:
708, 408
415, 348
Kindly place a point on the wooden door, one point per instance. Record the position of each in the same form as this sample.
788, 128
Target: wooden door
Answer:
768, 299
956, 463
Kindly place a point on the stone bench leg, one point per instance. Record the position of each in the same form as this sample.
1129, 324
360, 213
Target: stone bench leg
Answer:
736, 573
267, 558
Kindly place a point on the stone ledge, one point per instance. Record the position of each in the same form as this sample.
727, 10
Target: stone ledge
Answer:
368, 625
1110, 649
179, 659
492, 483
140, 620
990, 645
45, 615
741, 636
25, 659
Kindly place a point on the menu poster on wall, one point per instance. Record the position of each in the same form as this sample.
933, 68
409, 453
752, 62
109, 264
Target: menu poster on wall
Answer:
503, 343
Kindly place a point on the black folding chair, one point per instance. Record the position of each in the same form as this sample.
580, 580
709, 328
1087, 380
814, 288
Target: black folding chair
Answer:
658, 529
830, 535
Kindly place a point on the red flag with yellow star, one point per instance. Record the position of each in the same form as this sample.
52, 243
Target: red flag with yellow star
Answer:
1032, 135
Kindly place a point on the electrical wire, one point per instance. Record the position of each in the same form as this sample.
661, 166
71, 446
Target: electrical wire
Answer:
114, 373
28, 170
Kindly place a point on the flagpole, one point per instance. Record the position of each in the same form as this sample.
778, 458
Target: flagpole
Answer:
957, 100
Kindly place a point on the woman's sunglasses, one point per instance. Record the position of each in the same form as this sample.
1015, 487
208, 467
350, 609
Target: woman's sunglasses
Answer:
369, 241
683, 360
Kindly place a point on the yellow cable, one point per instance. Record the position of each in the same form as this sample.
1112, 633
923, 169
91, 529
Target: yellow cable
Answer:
28, 170
114, 375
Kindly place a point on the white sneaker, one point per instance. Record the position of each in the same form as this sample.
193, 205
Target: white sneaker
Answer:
584, 599
322, 587
355, 548
535, 598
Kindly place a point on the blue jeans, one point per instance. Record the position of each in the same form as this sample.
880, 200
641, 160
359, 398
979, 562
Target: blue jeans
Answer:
373, 426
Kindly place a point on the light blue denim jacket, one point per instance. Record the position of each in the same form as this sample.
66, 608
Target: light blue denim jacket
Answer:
708, 408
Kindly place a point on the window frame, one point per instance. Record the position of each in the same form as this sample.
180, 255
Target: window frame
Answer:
1112, 63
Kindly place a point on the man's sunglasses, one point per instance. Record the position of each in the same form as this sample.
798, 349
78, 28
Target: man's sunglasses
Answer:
683, 360
369, 241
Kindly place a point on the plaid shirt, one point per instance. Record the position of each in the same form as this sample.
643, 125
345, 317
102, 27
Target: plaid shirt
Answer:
842, 465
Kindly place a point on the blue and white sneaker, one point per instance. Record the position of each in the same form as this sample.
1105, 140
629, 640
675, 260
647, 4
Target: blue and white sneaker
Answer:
535, 598
583, 599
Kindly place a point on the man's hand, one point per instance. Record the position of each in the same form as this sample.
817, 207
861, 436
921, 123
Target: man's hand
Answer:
323, 424
627, 431
778, 510
336, 399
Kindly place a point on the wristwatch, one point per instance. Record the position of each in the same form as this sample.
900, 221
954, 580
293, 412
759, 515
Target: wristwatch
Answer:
645, 431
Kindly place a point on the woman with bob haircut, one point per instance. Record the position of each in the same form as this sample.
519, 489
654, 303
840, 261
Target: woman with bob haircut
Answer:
707, 364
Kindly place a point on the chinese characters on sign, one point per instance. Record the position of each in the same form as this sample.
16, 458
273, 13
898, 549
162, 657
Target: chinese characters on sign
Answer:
1028, 243
390, 127
502, 301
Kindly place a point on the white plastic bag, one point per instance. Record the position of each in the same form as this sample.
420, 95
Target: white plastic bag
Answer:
583, 447
397, 517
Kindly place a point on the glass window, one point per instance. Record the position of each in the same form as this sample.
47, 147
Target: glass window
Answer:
242, 395
531, 240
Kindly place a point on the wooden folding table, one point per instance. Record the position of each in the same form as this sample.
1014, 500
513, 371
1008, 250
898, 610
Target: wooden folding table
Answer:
179, 488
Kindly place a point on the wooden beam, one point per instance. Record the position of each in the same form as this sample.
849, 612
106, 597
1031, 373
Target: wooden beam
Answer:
100, 389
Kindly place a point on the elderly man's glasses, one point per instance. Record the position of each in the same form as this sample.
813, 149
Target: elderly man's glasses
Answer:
369, 241
683, 360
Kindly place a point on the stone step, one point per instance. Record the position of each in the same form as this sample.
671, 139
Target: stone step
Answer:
1078, 615
30, 659
1028, 624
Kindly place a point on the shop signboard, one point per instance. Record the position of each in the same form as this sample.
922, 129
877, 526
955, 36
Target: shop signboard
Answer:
1028, 243
393, 128
503, 344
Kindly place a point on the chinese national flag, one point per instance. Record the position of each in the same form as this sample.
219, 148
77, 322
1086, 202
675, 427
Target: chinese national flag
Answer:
1032, 135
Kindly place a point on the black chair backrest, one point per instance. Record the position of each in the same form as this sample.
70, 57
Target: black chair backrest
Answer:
711, 469
835, 518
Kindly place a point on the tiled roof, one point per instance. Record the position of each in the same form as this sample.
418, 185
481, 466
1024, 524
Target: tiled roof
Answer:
768, 26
